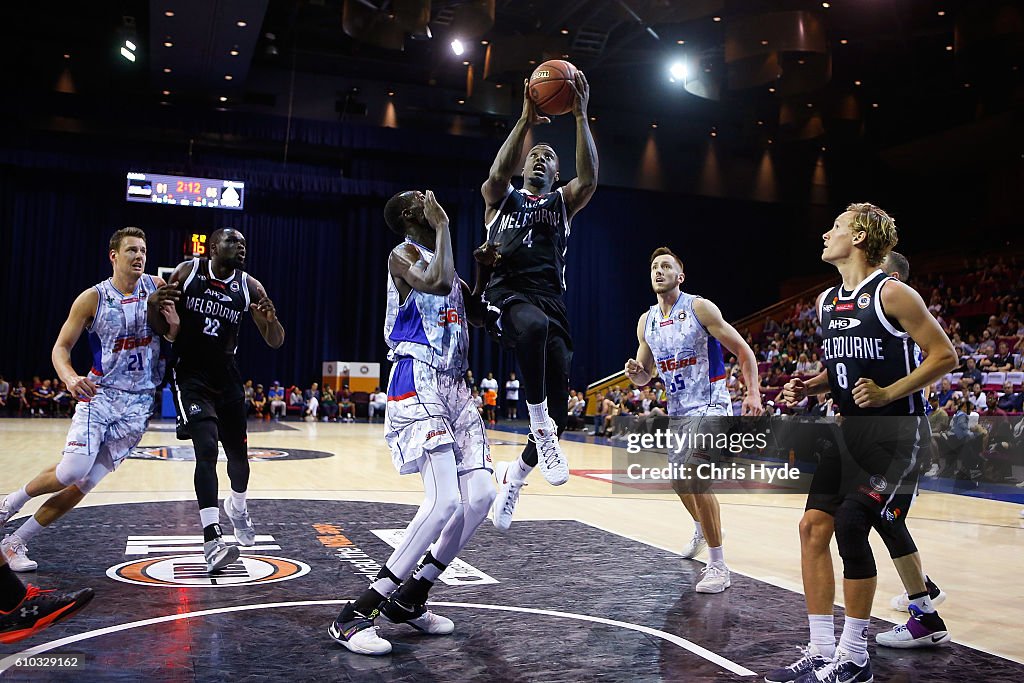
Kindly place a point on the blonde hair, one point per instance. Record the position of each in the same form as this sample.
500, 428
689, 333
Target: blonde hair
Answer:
118, 237
880, 228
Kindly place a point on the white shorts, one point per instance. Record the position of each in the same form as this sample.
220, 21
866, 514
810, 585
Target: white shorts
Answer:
428, 410
109, 426
699, 428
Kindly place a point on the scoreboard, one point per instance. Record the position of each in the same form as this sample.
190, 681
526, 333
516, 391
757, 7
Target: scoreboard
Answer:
185, 191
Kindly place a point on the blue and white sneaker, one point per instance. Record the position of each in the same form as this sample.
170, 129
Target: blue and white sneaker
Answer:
921, 630
811, 658
841, 669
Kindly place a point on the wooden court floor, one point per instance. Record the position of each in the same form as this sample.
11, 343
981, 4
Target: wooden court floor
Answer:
973, 548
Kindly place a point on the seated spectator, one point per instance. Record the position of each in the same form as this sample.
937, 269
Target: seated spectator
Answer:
991, 407
786, 366
296, 404
803, 365
42, 400
63, 401
660, 395
971, 372
378, 403
999, 362
478, 401
5, 390
259, 403
977, 397
312, 398
577, 410
276, 398
346, 408
1009, 400
945, 396
329, 404
248, 390
19, 399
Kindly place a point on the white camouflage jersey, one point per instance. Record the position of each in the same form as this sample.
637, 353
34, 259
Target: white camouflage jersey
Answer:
689, 360
125, 351
428, 327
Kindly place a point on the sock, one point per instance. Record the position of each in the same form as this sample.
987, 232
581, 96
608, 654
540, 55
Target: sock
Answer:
430, 569
823, 633
368, 603
12, 590
518, 471
210, 519
923, 602
414, 591
716, 555
854, 640
17, 499
700, 531
238, 500
538, 414
30, 528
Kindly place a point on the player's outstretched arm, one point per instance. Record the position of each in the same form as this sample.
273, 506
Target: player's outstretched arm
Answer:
903, 303
406, 262
710, 316
265, 315
580, 189
641, 369
166, 294
82, 312
495, 187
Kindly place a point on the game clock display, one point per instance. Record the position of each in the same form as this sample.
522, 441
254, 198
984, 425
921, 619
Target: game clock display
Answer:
185, 191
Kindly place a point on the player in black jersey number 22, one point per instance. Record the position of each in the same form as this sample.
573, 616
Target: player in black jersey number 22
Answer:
211, 296
527, 237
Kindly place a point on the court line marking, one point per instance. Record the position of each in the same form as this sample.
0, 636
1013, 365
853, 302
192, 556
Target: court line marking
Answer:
712, 657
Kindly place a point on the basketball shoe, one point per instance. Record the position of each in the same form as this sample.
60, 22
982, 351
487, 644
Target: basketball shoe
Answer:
697, 545
841, 669
921, 630
245, 532
40, 609
810, 659
16, 553
219, 554
900, 603
5, 512
715, 580
417, 616
357, 632
508, 495
553, 464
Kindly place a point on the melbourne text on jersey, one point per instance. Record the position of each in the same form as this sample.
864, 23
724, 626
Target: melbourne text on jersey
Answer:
214, 308
865, 348
523, 219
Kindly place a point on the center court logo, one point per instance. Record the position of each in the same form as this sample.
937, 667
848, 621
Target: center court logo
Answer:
189, 571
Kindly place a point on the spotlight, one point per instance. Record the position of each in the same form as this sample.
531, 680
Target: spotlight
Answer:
457, 47
677, 71
222, 98
128, 54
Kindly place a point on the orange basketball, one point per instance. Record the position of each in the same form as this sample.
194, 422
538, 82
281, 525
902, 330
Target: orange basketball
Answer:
551, 87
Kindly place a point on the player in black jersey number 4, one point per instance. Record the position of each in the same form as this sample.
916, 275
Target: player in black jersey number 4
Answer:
869, 323
527, 237
211, 296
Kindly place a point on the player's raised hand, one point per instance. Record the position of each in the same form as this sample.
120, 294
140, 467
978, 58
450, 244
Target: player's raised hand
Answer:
582, 88
867, 394
80, 387
530, 112
487, 255
794, 391
264, 308
164, 294
433, 212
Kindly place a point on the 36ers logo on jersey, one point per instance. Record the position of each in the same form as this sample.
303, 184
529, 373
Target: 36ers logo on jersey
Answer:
129, 343
448, 316
671, 364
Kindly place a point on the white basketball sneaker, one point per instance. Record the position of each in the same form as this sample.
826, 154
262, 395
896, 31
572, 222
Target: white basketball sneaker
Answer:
16, 553
219, 554
716, 578
358, 633
417, 616
245, 532
5, 512
553, 464
697, 545
508, 495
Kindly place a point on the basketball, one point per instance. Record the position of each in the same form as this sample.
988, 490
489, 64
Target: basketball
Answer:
551, 87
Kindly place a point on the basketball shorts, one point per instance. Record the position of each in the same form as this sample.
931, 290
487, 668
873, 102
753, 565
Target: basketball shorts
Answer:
552, 306
696, 435
877, 462
109, 425
199, 396
429, 410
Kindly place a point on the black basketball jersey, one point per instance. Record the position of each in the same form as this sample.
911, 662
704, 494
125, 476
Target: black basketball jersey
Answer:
211, 312
532, 234
860, 341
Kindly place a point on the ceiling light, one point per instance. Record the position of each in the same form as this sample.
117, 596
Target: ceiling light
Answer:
457, 47
677, 71
128, 54
228, 77
680, 42
825, 5
167, 92
771, 89
167, 69
233, 53
809, 105
241, 24
564, 32
168, 43
844, 41
716, 18
874, 105
465, 64
760, 123
391, 93
714, 133
499, 85
967, 85
67, 55
462, 101
483, 42
593, 118
856, 82
764, 42
130, 45
222, 98
941, 13
168, 13
654, 125
949, 48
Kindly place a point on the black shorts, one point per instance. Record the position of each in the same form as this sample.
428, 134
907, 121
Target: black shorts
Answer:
877, 462
210, 396
552, 306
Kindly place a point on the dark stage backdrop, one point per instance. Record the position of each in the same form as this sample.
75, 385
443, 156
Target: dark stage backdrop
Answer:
319, 244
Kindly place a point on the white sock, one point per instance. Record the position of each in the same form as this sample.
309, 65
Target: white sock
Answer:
700, 532
17, 499
29, 529
208, 516
384, 586
238, 500
854, 640
538, 414
716, 555
823, 633
518, 471
428, 571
